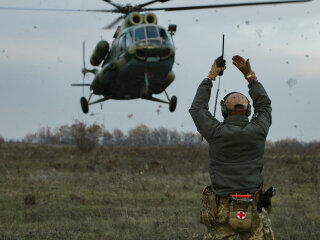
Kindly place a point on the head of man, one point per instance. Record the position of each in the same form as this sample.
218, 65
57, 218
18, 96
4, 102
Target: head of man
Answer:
235, 104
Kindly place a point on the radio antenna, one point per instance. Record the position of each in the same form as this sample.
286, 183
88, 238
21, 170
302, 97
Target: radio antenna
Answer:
220, 63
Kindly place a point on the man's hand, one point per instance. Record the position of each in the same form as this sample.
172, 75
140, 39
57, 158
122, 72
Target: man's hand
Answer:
244, 67
214, 72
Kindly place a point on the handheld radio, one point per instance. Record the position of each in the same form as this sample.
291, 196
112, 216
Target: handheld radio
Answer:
220, 61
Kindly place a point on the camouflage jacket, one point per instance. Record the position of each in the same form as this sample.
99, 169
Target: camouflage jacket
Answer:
237, 144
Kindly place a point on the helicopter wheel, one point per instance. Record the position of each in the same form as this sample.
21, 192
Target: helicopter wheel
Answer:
84, 105
173, 103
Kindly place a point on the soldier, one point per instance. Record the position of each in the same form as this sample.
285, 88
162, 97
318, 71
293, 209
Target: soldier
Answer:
236, 158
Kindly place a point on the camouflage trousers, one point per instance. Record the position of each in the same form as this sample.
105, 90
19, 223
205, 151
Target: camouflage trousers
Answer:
225, 221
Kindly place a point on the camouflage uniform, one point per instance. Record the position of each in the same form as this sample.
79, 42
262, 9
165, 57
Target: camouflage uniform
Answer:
236, 162
219, 216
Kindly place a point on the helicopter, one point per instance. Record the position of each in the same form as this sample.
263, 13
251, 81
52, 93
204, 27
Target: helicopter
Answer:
137, 65
139, 62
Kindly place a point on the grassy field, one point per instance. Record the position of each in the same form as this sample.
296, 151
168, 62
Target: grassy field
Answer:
57, 192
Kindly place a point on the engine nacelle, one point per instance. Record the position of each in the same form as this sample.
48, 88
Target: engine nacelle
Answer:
99, 53
150, 18
134, 18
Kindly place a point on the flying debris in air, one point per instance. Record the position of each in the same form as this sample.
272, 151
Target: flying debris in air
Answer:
259, 32
130, 115
158, 110
247, 22
306, 55
291, 83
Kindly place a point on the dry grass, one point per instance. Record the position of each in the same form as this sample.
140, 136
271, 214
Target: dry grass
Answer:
56, 192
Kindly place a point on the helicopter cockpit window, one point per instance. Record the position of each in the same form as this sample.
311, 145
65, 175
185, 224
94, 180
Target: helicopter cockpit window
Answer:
152, 32
153, 36
129, 39
156, 39
122, 43
140, 34
166, 41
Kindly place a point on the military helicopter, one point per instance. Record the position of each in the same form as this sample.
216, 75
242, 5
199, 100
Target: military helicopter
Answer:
140, 60
137, 65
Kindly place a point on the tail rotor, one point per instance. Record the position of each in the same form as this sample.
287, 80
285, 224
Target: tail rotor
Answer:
83, 70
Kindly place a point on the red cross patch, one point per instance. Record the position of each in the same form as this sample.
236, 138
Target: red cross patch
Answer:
241, 215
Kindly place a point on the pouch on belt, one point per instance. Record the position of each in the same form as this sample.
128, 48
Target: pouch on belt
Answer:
240, 217
209, 207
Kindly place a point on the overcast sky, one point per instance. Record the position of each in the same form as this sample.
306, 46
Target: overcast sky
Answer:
41, 55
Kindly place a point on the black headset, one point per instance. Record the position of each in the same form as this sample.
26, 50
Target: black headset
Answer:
223, 105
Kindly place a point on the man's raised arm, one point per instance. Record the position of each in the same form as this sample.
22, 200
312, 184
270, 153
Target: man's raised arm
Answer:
203, 119
261, 100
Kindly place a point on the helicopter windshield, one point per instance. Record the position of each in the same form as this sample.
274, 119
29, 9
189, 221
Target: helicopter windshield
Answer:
153, 36
152, 32
139, 34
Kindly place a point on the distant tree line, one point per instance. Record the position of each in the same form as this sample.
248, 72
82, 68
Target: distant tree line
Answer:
86, 137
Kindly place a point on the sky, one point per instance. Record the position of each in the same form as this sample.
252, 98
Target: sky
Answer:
41, 55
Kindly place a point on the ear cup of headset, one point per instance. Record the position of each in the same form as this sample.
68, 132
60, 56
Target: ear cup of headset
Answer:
248, 111
224, 111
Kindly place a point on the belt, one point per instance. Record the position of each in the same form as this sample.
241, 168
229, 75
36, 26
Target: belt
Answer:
238, 198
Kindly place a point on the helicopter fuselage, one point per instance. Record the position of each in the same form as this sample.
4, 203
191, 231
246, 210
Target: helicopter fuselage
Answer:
138, 65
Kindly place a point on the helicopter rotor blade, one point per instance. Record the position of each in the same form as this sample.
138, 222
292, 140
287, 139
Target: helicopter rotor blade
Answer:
112, 24
224, 5
81, 85
112, 3
151, 2
59, 9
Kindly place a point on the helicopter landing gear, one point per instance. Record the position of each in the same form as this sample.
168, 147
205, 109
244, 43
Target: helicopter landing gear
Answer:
84, 105
173, 103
